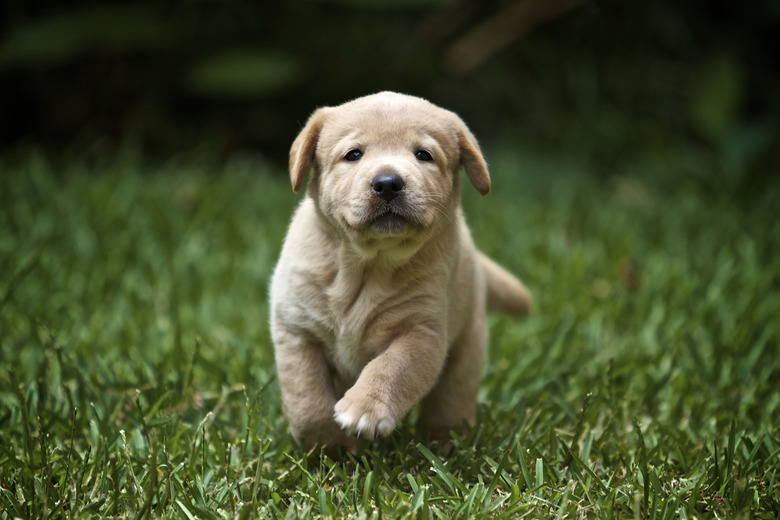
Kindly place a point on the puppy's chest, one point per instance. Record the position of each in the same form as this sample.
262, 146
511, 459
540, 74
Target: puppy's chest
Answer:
358, 325
349, 355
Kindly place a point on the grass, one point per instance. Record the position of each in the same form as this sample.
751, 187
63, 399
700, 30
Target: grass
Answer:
138, 380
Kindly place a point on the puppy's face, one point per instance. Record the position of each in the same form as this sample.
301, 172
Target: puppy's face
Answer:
385, 166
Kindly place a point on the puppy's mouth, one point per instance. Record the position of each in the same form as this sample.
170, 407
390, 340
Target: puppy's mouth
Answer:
390, 219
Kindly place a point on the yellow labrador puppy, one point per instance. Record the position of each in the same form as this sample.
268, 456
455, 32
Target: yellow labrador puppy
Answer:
379, 296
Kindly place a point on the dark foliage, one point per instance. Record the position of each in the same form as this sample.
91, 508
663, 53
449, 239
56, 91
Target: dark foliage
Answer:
242, 75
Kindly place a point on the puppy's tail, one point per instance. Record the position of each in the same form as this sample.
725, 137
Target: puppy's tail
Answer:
505, 293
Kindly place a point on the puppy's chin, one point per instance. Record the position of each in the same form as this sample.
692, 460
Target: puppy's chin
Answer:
389, 220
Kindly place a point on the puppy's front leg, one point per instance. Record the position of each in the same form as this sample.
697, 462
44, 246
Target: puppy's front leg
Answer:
392, 383
308, 396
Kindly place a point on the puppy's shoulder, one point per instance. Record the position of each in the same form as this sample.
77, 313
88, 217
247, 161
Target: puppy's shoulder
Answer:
307, 234
305, 247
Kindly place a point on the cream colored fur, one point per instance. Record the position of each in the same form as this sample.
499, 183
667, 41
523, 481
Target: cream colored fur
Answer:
377, 304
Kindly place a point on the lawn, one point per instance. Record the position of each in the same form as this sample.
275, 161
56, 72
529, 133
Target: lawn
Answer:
137, 375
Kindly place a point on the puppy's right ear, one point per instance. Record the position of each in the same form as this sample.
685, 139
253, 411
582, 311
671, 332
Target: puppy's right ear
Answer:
303, 148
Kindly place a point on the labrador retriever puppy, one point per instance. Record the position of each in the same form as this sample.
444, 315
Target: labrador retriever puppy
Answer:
379, 296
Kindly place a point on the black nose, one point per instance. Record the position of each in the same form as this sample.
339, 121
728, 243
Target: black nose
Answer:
387, 187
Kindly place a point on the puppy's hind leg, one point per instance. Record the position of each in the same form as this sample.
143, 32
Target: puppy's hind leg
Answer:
452, 402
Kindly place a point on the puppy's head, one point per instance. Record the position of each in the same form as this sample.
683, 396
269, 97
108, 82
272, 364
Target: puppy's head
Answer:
386, 165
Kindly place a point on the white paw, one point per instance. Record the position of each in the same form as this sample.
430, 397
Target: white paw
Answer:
363, 416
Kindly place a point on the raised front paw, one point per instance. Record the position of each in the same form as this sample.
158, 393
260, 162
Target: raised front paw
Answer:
361, 414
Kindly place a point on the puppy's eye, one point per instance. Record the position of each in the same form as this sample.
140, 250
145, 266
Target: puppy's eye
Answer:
353, 155
423, 155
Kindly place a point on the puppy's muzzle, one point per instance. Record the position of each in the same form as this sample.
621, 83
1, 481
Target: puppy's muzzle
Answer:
388, 187
389, 210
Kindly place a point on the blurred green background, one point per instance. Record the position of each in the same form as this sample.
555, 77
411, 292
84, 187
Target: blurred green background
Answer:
601, 81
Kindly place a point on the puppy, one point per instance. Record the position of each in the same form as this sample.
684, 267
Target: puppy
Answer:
378, 299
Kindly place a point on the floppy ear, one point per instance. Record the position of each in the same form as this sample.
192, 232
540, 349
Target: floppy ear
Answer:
303, 148
472, 160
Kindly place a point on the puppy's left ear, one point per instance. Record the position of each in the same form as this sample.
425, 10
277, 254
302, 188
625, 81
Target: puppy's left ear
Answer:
471, 158
304, 147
